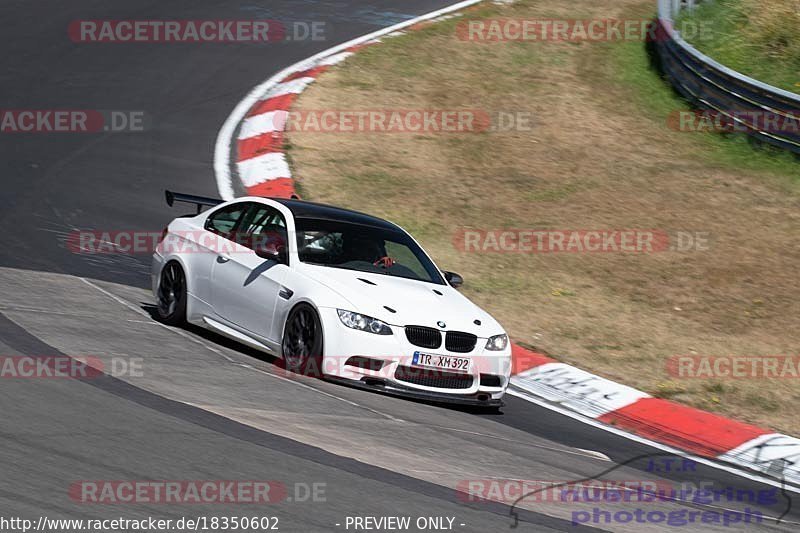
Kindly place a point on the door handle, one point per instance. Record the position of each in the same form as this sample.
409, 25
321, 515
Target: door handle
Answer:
221, 259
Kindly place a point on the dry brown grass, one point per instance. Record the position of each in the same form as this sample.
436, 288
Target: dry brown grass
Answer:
589, 163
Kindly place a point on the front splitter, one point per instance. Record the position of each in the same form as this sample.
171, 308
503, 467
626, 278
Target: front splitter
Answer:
394, 389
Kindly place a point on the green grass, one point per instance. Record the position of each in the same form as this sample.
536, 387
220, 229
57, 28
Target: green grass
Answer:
759, 38
654, 96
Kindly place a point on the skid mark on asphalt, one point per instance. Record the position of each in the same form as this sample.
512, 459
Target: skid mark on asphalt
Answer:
130, 300
39, 311
139, 311
416, 440
318, 391
585, 453
229, 359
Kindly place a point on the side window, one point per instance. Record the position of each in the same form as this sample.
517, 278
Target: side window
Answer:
263, 226
224, 221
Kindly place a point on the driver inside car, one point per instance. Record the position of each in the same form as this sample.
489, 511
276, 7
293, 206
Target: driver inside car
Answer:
361, 248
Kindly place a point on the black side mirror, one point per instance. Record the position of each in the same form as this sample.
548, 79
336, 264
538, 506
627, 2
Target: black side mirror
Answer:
280, 255
454, 279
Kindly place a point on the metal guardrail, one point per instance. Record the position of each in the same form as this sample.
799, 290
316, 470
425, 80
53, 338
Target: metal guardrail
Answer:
712, 86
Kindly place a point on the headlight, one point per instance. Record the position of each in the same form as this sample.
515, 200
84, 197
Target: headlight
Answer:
364, 323
497, 343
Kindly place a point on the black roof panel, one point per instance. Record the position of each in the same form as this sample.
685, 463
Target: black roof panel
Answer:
303, 209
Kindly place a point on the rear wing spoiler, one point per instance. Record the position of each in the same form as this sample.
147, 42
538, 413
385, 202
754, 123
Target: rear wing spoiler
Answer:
199, 201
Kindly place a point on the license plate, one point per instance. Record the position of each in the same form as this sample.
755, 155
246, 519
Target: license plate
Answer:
443, 362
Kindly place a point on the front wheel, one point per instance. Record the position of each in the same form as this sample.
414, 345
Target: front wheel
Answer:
172, 295
302, 341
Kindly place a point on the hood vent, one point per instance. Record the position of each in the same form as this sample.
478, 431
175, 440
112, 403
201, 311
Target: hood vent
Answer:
368, 282
438, 292
389, 309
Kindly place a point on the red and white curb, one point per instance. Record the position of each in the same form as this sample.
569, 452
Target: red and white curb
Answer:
252, 138
260, 159
678, 426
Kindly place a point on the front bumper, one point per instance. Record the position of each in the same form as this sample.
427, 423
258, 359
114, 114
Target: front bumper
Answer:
396, 354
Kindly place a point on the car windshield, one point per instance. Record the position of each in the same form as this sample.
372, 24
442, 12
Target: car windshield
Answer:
363, 248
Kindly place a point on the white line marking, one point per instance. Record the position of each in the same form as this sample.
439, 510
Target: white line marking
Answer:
642, 440
299, 384
222, 149
593, 453
141, 312
17, 309
583, 453
229, 359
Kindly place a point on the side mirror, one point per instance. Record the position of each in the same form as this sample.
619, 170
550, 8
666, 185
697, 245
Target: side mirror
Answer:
279, 255
454, 279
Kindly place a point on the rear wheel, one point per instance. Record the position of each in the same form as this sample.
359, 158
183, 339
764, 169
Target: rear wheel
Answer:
302, 341
172, 295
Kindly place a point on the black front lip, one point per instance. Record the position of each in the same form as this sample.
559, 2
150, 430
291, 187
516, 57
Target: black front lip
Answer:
395, 389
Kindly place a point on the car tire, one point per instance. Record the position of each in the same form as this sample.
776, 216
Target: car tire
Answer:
172, 295
302, 341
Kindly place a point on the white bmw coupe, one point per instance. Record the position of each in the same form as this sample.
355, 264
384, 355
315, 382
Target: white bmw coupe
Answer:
330, 291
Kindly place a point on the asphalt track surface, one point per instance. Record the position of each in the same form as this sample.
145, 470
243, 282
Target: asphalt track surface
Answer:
203, 408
